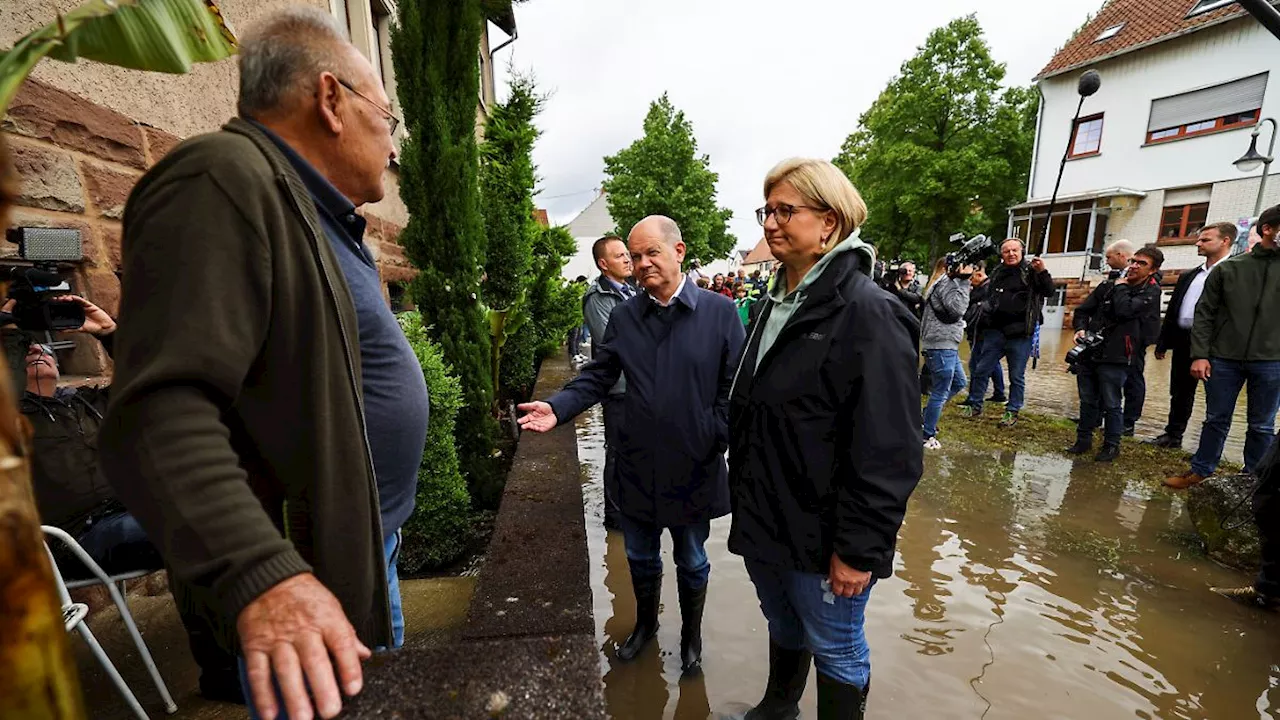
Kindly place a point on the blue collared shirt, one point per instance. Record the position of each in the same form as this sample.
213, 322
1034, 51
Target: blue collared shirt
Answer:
396, 403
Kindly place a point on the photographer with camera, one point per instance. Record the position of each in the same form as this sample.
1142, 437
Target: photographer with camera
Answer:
1110, 329
72, 494
1011, 313
946, 298
900, 280
974, 317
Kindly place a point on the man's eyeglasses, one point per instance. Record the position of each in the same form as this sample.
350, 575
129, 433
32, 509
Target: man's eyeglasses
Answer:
392, 121
783, 212
1139, 262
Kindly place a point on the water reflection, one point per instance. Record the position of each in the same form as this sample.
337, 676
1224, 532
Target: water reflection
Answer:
1026, 586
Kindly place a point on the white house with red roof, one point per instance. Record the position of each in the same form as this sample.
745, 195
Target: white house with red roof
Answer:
1184, 83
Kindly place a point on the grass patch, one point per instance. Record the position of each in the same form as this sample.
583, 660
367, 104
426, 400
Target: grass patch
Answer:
1044, 434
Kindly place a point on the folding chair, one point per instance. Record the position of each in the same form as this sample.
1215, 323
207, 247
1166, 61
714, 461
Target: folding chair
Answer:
74, 614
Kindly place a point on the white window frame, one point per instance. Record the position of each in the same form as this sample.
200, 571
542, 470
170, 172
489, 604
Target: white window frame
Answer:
1109, 33
1204, 6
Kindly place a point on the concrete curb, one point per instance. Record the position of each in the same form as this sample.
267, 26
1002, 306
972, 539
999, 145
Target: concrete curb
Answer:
528, 649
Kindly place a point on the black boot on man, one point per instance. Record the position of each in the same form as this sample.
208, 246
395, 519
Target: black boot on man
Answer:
1108, 453
788, 674
1084, 443
648, 590
837, 701
692, 602
1166, 440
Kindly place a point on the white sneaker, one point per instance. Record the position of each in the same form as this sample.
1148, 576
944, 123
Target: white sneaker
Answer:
932, 444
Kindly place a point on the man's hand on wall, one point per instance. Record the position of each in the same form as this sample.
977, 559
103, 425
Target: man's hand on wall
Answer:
297, 633
96, 320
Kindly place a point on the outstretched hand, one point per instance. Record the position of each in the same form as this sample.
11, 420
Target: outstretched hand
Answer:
538, 417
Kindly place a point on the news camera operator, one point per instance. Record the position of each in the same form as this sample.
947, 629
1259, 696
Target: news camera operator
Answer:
1111, 326
900, 280
946, 298
72, 494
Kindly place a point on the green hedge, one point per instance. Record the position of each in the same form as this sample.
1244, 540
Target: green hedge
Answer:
436, 534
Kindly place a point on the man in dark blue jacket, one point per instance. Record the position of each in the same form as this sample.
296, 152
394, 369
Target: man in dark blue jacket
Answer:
678, 346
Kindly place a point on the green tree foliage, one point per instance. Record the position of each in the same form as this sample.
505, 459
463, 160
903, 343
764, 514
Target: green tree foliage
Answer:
436, 534
434, 51
550, 308
663, 174
944, 148
507, 178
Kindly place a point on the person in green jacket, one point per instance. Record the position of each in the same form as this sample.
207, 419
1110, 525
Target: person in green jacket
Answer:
743, 302
1235, 340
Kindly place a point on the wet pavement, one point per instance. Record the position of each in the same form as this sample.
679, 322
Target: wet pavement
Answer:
1025, 586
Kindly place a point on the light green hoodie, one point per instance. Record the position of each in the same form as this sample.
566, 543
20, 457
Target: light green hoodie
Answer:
784, 305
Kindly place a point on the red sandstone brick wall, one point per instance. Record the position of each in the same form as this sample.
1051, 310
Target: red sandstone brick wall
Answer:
78, 161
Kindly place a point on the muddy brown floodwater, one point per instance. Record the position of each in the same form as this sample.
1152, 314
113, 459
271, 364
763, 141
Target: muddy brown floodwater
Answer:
1023, 588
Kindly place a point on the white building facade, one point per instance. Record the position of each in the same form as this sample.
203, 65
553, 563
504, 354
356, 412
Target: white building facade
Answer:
1151, 159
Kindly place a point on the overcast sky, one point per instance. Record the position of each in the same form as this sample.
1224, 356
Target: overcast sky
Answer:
759, 80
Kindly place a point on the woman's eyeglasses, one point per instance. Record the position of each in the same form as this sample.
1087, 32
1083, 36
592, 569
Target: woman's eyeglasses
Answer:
783, 212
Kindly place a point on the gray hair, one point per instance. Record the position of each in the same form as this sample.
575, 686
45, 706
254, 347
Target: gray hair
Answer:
666, 227
1120, 246
284, 51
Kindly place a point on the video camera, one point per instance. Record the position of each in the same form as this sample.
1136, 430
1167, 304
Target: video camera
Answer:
1083, 350
34, 287
888, 273
971, 252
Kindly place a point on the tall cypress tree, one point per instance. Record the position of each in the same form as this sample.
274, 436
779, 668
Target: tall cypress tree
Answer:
434, 49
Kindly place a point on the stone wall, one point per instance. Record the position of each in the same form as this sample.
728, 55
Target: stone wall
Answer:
82, 134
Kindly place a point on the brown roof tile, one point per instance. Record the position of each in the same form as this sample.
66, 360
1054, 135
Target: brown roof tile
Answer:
1145, 22
760, 253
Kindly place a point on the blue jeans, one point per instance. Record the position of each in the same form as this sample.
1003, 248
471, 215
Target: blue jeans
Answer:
644, 551
1221, 391
997, 375
115, 542
1101, 387
993, 345
391, 549
803, 613
1135, 389
948, 380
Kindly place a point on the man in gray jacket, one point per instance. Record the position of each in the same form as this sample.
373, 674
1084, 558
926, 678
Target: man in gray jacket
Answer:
611, 289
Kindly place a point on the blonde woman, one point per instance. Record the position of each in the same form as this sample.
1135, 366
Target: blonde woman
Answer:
825, 444
946, 298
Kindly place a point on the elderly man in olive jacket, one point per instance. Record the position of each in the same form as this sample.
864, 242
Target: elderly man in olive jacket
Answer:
267, 447
679, 346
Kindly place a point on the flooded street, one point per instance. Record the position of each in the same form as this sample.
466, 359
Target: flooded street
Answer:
1024, 587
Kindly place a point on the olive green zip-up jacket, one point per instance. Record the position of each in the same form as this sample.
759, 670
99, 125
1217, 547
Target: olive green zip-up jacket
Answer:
235, 432
1238, 316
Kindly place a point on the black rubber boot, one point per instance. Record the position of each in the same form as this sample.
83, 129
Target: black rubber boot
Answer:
692, 602
647, 591
837, 701
788, 674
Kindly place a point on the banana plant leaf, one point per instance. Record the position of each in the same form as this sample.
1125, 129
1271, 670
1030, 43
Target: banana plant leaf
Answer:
160, 35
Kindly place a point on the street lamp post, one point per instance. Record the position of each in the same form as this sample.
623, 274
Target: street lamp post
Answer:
1253, 159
